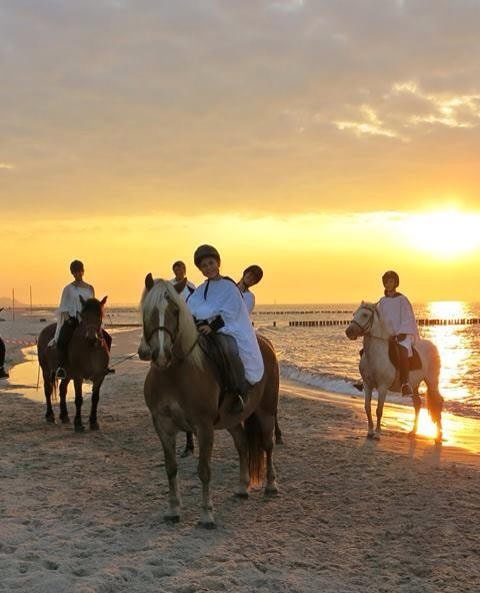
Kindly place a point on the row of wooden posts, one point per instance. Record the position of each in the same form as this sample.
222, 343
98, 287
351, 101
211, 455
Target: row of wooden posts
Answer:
422, 322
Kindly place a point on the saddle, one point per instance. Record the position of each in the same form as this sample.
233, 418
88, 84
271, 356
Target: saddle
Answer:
222, 351
414, 361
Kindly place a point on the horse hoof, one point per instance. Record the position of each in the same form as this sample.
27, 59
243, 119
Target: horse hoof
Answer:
94, 426
79, 428
50, 418
376, 436
65, 419
279, 441
370, 435
186, 452
271, 491
171, 519
241, 494
207, 524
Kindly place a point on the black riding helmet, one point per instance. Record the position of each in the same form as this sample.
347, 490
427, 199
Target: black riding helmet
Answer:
205, 251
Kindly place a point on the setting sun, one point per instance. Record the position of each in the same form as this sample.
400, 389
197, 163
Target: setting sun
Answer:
446, 233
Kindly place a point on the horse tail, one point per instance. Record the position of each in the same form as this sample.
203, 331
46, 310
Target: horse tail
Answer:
433, 396
256, 452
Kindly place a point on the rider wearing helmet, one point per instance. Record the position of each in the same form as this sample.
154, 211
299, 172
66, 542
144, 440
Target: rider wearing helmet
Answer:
397, 314
251, 276
218, 306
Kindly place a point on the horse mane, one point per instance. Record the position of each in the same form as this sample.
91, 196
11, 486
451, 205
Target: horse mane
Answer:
187, 330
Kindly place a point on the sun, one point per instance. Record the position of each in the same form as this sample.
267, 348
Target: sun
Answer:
447, 234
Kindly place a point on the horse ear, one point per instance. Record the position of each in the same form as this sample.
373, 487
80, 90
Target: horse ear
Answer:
149, 281
104, 300
82, 300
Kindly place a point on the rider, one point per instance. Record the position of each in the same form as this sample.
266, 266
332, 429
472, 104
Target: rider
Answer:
218, 306
251, 276
69, 314
183, 285
397, 314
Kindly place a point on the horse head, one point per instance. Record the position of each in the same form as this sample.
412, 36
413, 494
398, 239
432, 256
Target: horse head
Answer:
91, 319
160, 307
362, 321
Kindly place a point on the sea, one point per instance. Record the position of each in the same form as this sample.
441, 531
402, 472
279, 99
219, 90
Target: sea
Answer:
322, 356
313, 349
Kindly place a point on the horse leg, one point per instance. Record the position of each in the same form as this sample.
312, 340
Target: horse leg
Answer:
167, 434
367, 390
269, 425
189, 445
63, 401
417, 404
382, 394
205, 446
278, 432
93, 410
48, 389
240, 440
78, 405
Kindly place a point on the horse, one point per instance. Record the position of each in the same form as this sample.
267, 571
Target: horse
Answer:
378, 372
88, 358
183, 393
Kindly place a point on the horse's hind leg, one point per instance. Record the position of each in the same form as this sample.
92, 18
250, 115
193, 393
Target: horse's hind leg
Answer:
166, 432
189, 445
78, 405
240, 440
368, 409
417, 405
93, 411
63, 401
205, 446
278, 432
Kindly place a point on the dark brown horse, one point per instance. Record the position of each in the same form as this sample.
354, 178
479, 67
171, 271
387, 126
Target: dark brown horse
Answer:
183, 394
88, 358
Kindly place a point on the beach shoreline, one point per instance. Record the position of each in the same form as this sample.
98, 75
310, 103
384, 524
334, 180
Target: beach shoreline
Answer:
83, 513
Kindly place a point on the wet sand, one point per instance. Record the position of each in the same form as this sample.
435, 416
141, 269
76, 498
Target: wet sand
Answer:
83, 513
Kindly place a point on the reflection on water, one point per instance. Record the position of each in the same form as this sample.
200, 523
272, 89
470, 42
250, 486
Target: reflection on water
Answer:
26, 377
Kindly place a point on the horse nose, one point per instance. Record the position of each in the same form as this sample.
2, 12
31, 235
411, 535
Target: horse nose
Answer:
349, 333
144, 353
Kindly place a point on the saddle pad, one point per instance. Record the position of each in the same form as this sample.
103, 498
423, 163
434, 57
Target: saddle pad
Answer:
415, 362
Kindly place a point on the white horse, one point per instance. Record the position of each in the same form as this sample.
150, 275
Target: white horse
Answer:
379, 373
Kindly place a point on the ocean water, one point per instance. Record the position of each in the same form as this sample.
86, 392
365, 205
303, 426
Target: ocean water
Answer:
323, 356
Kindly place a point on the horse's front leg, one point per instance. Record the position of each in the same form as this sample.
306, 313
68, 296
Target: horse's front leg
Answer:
167, 434
367, 390
382, 394
47, 389
205, 446
95, 397
240, 440
77, 382
63, 401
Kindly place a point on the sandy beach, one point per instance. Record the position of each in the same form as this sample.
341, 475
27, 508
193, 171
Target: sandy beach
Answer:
83, 513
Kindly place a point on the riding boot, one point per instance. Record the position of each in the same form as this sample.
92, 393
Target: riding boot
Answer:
3, 373
404, 369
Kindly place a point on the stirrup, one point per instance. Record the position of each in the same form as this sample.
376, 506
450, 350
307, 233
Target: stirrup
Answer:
407, 390
60, 373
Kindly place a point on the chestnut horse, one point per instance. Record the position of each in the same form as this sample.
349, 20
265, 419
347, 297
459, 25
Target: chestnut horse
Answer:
88, 358
379, 373
182, 393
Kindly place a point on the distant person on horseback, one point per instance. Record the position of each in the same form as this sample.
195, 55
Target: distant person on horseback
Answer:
68, 316
182, 285
217, 306
251, 276
397, 314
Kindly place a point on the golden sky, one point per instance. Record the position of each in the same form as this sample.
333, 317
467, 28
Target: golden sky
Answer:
325, 141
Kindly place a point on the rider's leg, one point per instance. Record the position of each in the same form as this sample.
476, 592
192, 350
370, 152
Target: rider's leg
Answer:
404, 371
66, 333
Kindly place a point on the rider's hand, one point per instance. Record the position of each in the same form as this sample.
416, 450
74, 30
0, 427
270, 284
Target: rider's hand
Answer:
205, 329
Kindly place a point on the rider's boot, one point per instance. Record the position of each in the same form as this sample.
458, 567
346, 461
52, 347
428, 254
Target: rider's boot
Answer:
3, 373
404, 370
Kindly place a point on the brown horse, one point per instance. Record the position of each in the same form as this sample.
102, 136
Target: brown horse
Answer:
88, 358
182, 393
